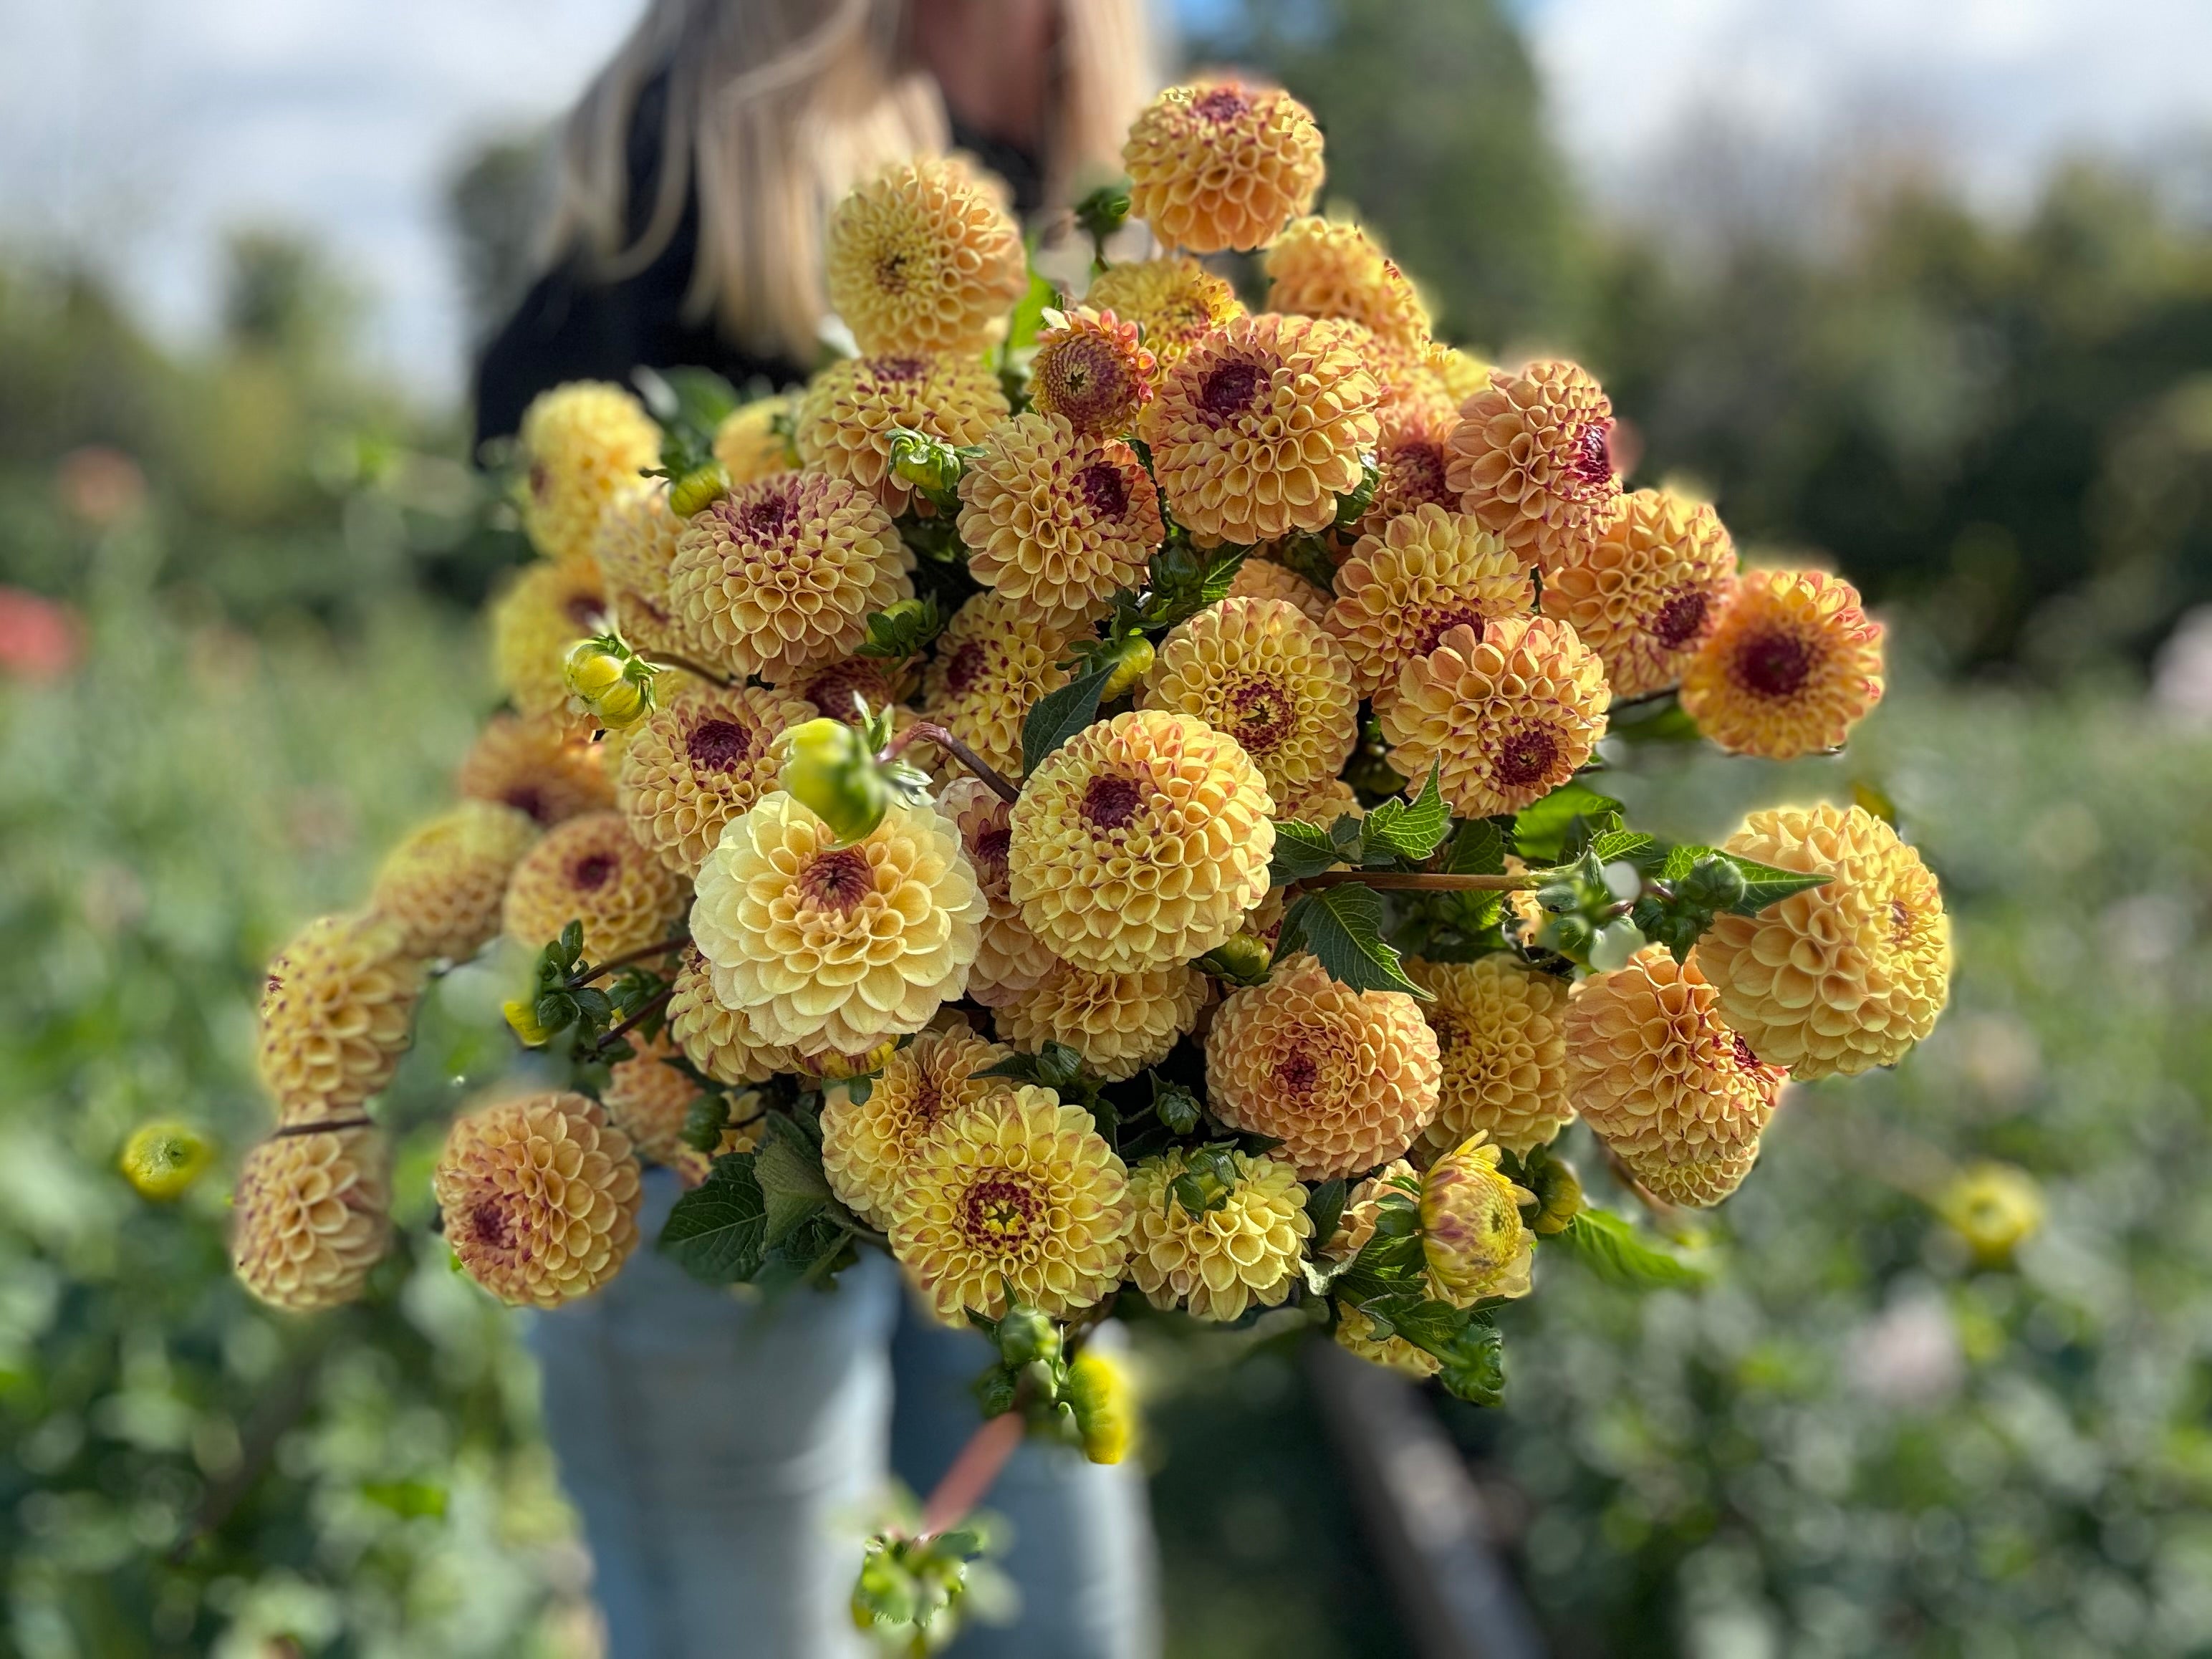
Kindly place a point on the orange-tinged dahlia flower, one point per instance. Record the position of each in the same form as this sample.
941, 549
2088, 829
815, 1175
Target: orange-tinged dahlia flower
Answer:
581, 444
754, 439
924, 257
1425, 573
310, 1217
846, 416
867, 1143
443, 884
647, 1099
1532, 458
1461, 374
542, 766
338, 1011
539, 1194
719, 1041
1501, 1028
1327, 268
1092, 370
1263, 579
1793, 663
1412, 464
1244, 1254
1175, 302
1118, 1022
634, 547
1472, 1233
593, 870
994, 661
700, 760
1011, 959
544, 609
1648, 592
1222, 165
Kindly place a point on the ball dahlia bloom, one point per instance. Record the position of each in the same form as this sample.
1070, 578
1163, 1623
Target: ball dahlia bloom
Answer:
544, 609
1532, 458
1263, 579
1265, 674
828, 947
1412, 464
845, 417
1222, 165
1472, 1235
994, 661
310, 1217
1140, 842
444, 883
839, 689
1425, 573
1792, 665
1649, 591
337, 1010
1842, 977
719, 1041
700, 759
1501, 1033
581, 444
1345, 1078
867, 1143
1327, 268
1677, 1095
1092, 370
542, 768
593, 870
634, 547
648, 1099
1260, 426
1057, 522
1118, 1022
539, 1195
754, 439
1508, 715
924, 257
1012, 960
1175, 302
1242, 1255
1461, 373
778, 577
1017, 1196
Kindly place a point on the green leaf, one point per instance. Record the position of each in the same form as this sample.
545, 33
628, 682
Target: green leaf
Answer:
1479, 849
1410, 832
1764, 884
1540, 831
1474, 1364
1175, 1105
1028, 320
789, 1174
903, 630
1343, 928
1646, 853
718, 1231
1677, 863
1616, 1253
1058, 715
1301, 850
1325, 1209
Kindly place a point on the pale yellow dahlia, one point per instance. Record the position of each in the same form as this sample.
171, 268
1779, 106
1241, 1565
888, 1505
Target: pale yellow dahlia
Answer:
1263, 579
1501, 1028
749, 443
647, 1099
700, 760
310, 1217
582, 443
924, 259
1532, 458
1260, 426
1262, 672
1355, 1331
1323, 804
593, 870
1648, 592
1659, 1079
1057, 522
1472, 1235
1427, 572
994, 661
1509, 716
823, 946
539, 1193
846, 416
1119, 1022
1242, 1255
1327, 268
1413, 462
867, 1144
1345, 1078
1793, 663
719, 1041
1018, 1195
1461, 374
542, 767
634, 547
1010, 960
838, 689
1841, 977
1140, 842
1222, 165
444, 883
1696, 1183
1092, 370
337, 1010
1411, 395
778, 577
1175, 301
545, 608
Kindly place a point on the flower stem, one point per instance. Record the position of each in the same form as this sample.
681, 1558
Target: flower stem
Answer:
923, 732
635, 1020
969, 1479
322, 1126
585, 975
670, 659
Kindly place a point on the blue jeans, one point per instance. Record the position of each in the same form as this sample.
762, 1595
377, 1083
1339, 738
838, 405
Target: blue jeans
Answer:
724, 1456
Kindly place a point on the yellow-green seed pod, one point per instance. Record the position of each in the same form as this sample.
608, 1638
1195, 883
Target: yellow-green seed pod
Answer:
1105, 1409
828, 768
163, 1158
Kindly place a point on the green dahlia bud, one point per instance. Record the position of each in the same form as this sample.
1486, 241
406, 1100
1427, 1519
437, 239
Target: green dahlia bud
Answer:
697, 489
704, 1120
161, 1159
1025, 1334
1133, 660
1558, 1197
930, 464
828, 768
1713, 884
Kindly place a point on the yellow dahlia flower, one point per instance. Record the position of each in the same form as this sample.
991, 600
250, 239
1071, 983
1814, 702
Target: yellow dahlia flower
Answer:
1057, 522
1263, 579
1647, 592
748, 444
1012, 960
1659, 1077
1995, 1208
1326, 268
539, 1194
1323, 804
1501, 1028
1344, 1079
582, 443
593, 870
1175, 301
1427, 572
647, 1099
994, 661
866, 1144
443, 884
1260, 426
1792, 665
336, 1013
1260, 671
1091, 370
871, 680
702, 759
1532, 458
924, 259
826, 947
541, 767
544, 609
310, 1217
1472, 1233
1509, 716
1413, 462
1841, 977
1244, 1255
1222, 165
1459, 373
719, 1041
634, 547
1140, 842
1018, 1195
1119, 1022
846, 416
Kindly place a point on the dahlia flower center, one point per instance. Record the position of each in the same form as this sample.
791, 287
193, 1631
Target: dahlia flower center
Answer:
1296, 1073
890, 271
1776, 663
1418, 474
718, 746
592, 871
965, 671
990, 848
1228, 390
1679, 620
541, 480
767, 518
587, 611
1261, 713
1000, 1212
1220, 105
837, 880
489, 1225
902, 368
1590, 457
1086, 381
928, 1100
1903, 924
1745, 1060
837, 690
1110, 803
1442, 623
1527, 756
1105, 491
530, 799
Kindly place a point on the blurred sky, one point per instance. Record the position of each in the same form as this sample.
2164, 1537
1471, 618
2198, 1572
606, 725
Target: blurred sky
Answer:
139, 129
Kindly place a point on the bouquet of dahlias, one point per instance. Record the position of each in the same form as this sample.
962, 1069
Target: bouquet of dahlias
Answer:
1091, 797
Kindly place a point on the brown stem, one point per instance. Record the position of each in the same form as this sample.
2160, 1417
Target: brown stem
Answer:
322, 1126
586, 975
635, 1020
1422, 881
923, 732
670, 659
967, 1482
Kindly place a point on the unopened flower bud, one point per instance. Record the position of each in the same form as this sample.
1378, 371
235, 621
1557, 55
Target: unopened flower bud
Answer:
1133, 660
930, 464
161, 1159
610, 682
1105, 1414
1995, 1208
1713, 884
828, 768
1559, 1196
1241, 959
698, 489
1025, 1334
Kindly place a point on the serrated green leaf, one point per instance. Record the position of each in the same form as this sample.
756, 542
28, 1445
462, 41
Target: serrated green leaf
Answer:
1475, 1364
1540, 832
1410, 830
718, 1231
1764, 884
1343, 928
1677, 863
791, 1184
1646, 853
1617, 1254
1301, 850
1479, 849
1058, 715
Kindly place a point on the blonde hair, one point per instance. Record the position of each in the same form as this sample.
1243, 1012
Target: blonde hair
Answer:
781, 107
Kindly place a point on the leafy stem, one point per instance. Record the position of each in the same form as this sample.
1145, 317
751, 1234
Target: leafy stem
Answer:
923, 732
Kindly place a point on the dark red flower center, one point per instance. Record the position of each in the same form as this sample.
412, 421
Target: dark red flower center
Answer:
718, 746
528, 798
593, 871
1591, 456
990, 848
1109, 803
767, 517
1442, 623
901, 368
1418, 474
1901, 923
999, 1212
1681, 618
837, 880
1296, 1073
1745, 1058
890, 273
541, 480
1527, 756
1776, 663
1220, 104
1084, 378
488, 1226
965, 671
1228, 390
1104, 489
834, 688
588, 610
1262, 714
